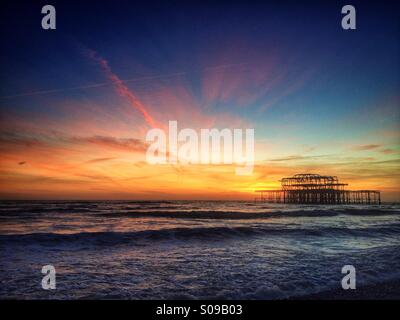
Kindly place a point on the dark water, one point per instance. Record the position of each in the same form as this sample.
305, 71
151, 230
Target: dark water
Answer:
192, 249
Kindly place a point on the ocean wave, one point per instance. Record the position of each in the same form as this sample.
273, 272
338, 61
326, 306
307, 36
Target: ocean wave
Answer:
182, 209
201, 233
202, 214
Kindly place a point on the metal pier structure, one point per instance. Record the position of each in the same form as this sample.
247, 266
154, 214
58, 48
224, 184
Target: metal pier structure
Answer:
317, 189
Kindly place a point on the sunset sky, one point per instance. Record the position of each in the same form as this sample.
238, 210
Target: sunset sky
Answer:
76, 102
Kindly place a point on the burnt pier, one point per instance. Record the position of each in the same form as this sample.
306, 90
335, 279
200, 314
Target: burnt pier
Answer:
316, 189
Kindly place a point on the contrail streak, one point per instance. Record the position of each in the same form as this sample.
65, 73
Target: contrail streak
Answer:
110, 83
122, 89
95, 85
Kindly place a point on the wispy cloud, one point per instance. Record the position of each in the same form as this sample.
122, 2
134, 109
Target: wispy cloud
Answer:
96, 160
123, 144
366, 147
11, 141
388, 151
297, 157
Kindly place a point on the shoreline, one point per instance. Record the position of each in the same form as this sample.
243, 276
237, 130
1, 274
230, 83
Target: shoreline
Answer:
388, 290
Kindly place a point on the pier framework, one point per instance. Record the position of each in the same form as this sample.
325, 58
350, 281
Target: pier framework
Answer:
317, 189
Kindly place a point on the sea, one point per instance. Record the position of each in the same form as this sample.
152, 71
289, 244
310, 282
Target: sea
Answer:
192, 249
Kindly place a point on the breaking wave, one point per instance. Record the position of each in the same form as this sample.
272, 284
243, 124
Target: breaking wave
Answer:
194, 214
206, 233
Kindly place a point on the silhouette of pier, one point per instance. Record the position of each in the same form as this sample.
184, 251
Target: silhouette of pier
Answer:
317, 189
